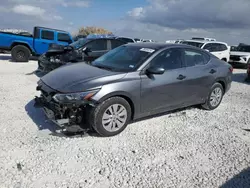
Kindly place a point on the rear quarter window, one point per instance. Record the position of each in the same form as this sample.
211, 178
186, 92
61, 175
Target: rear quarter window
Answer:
116, 43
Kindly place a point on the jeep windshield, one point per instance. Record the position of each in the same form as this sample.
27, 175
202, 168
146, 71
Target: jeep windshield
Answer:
79, 43
243, 48
123, 58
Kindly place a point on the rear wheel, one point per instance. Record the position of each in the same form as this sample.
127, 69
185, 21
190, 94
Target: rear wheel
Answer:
214, 97
20, 53
111, 116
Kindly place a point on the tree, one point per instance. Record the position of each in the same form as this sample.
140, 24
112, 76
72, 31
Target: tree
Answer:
92, 30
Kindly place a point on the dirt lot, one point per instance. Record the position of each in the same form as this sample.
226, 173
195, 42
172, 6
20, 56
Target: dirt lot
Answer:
189, 148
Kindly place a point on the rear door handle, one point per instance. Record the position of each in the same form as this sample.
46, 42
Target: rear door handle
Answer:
181, 77
212, 71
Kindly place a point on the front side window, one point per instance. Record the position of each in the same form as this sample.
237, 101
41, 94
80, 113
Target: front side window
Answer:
79, 43
97, 45
123, 58
193, 58
48, 35
63, 37
169, 59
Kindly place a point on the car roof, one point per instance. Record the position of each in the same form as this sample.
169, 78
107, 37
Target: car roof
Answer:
205, 41
158, 45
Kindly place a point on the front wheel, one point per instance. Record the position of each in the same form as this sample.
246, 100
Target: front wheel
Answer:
111, 116
214, 97
20, 53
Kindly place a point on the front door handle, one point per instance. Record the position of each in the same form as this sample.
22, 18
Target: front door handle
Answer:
181, 77
212, 71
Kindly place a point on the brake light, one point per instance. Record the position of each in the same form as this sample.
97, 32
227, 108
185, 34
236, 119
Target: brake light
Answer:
231, 69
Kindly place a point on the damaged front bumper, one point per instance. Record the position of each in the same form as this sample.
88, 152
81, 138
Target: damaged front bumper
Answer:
52, 112
65, 115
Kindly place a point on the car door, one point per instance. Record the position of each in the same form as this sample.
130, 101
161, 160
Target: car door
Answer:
166, 91
47, 37
199, 76
225, 52
96, 48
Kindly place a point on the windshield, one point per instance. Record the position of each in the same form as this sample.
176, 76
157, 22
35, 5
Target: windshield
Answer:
123, 58
243, 48
196, 44
79, 43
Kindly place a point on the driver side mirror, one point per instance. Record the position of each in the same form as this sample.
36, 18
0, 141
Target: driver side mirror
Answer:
155, 70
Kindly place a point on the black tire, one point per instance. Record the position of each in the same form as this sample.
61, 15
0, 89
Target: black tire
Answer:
208, 105
96, 115
224, 59
20, 53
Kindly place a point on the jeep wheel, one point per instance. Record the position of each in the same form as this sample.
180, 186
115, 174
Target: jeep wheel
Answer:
20, 53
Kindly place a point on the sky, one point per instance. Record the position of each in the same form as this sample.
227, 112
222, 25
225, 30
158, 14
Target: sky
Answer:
161, 20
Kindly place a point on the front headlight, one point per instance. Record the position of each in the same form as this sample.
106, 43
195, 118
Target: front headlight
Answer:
73, 97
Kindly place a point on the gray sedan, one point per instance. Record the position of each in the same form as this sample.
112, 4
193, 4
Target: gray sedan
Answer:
131, 82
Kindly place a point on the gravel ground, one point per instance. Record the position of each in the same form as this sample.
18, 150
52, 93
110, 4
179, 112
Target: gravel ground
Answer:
189, 148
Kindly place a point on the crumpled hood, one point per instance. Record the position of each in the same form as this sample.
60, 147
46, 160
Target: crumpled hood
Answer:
240, 53
79, 77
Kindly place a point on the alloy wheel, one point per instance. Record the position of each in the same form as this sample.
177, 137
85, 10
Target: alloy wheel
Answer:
114, 117
216, 96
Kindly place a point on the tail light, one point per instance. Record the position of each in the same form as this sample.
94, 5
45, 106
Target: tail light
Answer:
231, 69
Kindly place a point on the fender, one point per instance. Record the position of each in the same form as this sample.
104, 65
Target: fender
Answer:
131, 100
19, 42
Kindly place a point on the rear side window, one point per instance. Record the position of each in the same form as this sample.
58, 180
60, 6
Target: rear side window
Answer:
194, 58
212, 47
222, 47
48, 35
97, 45
116, 43
63, 37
